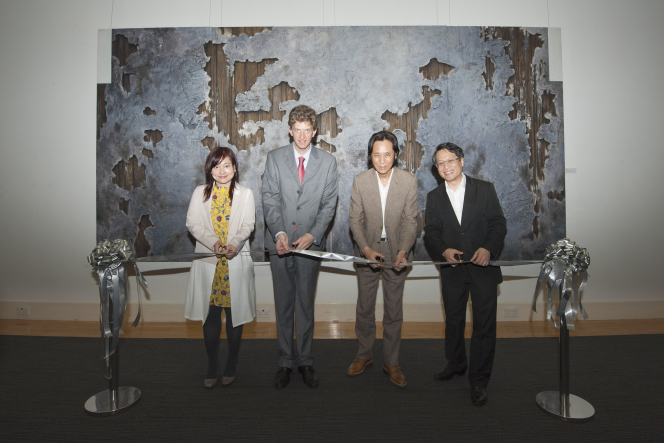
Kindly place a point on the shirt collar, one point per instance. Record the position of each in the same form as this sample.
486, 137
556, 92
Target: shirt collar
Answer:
461, 185
388, 181
306, 156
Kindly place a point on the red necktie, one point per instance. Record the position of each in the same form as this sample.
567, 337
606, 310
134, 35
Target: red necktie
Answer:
300, 169
300, 172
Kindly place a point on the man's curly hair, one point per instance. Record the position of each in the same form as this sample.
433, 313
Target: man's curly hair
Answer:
302, 113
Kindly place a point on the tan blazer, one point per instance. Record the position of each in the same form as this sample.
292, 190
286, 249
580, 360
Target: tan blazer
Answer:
366, 217
240, 268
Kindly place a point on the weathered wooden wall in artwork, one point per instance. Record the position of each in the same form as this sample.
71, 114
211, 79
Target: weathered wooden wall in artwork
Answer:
177, 93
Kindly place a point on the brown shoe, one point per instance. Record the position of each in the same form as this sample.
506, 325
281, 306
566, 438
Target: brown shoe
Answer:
396, 376
358, 365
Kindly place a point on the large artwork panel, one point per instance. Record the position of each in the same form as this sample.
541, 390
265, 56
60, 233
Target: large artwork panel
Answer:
176, 93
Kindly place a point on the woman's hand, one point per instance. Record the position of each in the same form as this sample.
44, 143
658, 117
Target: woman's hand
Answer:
231, 251
218, 248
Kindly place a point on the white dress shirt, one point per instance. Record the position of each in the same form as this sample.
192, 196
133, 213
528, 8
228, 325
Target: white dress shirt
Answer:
456, 197
298, 155
383, 198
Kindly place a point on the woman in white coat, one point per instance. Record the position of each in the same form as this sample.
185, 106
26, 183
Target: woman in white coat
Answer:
221, 217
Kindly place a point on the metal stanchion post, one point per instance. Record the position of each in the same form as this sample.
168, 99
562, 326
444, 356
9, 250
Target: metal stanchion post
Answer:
562, 404
115, 399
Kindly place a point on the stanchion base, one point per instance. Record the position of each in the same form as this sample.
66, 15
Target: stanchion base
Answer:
579, 409
100, 403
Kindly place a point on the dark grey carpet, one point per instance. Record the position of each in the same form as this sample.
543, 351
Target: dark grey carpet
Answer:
44, 383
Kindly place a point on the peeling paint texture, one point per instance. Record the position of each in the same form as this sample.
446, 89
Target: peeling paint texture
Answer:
485, 89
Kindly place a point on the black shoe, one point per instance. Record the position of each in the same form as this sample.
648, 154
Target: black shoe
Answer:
478, 395
309, 376
282, 378
448, 373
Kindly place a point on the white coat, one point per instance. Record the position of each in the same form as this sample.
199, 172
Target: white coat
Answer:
240, 268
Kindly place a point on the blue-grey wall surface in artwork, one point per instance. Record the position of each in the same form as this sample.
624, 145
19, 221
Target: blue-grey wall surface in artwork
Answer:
485, 89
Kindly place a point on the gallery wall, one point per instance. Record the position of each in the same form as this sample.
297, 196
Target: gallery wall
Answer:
612, 75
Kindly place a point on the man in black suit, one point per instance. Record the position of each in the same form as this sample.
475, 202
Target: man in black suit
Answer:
464, 222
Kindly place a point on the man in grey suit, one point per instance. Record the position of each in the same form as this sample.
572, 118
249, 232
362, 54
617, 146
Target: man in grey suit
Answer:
464, 222
299, 199
383, 220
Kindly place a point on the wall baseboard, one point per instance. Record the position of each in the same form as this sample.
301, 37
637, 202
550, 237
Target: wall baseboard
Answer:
328, 312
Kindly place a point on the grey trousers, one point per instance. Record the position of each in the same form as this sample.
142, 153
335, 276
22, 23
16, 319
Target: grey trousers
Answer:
365, 318
294, 281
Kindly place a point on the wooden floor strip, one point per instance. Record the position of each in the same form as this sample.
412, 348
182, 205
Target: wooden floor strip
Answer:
191, 329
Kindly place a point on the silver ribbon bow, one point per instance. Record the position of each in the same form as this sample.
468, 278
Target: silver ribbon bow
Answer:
108, 260
564, 261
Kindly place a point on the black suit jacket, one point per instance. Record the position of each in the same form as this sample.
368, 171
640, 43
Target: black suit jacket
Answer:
483, 225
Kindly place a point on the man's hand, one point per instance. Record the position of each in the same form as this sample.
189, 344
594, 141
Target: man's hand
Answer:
282, 244
481, 257
218, 248
231, 251
370, 254
304, 242
401, 258
450, 254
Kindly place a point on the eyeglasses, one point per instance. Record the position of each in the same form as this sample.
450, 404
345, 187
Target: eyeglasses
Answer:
447, 162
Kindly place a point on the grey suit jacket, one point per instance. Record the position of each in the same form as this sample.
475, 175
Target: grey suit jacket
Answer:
287, 204
482, 225
366, 216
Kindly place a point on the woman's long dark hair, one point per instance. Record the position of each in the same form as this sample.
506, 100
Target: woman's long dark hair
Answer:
216, 156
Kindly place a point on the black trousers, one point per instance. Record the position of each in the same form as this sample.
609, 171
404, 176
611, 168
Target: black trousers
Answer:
483, 342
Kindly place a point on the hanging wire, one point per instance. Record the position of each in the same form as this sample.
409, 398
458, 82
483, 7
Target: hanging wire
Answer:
210, 16
447, 79
334, 4
447, 88
548, 15
112, 6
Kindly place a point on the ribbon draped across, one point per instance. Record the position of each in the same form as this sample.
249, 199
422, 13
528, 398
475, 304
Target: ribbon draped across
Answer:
564, 261
108, 259
332, 256
318, 254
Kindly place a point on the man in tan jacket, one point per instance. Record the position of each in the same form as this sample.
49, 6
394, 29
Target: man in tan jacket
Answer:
383, 221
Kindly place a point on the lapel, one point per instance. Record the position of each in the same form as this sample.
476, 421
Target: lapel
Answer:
469, 200
291, 163
392, 193
371, 193
448, 210
235, 205
312, 165
208, 212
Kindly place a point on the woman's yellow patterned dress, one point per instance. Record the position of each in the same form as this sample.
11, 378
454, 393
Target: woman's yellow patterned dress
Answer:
221, 214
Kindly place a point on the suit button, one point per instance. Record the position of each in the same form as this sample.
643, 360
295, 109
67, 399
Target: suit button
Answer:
298, 208
298, 192
463, 233
293, 222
